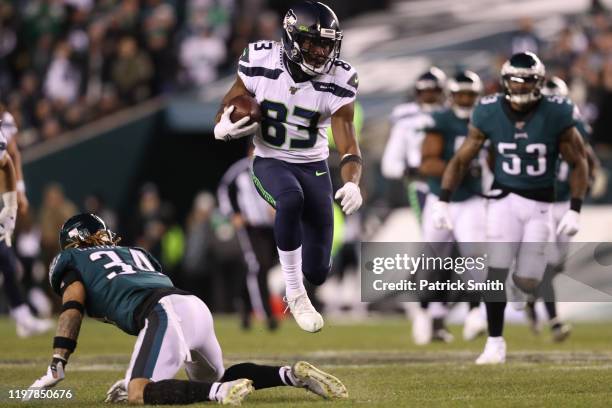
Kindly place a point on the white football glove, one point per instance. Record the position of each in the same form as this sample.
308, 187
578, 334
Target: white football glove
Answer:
569, 224
55, 374
117, 393
441, 216
350, 197
227, 130
8, 216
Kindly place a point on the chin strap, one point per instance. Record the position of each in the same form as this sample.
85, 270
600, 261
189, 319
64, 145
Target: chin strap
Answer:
295, 71
462, 113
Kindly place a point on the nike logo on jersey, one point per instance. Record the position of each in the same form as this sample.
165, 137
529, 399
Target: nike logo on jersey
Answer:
293, 90
320, 173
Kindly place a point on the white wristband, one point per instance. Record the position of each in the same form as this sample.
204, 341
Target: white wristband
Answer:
20, 186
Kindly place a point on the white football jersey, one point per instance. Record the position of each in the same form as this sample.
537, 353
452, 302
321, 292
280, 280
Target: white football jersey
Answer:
295, 115
8, 129
403, 149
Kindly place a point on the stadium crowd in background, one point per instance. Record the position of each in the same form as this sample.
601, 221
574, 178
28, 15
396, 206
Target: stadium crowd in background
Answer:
64, 63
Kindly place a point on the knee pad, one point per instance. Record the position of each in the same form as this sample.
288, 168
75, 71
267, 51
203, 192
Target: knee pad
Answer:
290, 201
527, 285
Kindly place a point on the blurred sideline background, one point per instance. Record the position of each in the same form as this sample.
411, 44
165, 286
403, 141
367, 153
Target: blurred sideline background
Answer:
115, 101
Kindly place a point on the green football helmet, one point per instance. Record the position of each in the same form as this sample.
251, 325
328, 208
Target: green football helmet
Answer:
522, 78
85, 230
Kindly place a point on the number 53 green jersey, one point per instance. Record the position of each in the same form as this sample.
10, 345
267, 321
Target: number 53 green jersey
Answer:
526, 147
116, 279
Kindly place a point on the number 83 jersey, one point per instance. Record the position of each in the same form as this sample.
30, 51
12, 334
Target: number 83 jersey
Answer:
296, 115
116, 280
527, 147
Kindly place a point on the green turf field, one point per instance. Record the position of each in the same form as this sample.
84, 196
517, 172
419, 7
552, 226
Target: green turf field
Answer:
376, 360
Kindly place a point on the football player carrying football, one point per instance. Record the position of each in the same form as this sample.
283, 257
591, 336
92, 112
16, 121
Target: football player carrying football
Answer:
527, 132
125, 286
302, 86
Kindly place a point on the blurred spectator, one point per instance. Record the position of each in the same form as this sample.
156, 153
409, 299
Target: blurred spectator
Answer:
602, 129
131, 71
8, 43
95, 204
55, 210
63, 79
525, 38
148, 228
197, 269
201, 53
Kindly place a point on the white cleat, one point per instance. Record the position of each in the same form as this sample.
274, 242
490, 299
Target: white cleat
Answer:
234, 392
304, 313
494, 352
318, 381
422, 329
475, 325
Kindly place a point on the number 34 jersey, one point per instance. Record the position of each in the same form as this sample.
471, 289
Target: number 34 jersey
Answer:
116, 279
295, 114
526, 148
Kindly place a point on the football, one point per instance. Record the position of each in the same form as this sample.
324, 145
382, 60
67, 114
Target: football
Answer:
245, 105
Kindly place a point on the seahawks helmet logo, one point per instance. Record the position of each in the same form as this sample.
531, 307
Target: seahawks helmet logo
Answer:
290, 19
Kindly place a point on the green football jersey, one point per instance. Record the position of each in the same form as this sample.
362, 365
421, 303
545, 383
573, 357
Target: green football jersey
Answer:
562, 187
117, 280
454, 131
526, 147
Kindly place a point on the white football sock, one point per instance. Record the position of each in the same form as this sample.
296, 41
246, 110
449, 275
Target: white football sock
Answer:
495, 340
291, 265
287, 377
437, 310
214, 389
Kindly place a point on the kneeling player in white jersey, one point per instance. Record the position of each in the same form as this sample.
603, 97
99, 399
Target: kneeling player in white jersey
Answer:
302, 87
527, 133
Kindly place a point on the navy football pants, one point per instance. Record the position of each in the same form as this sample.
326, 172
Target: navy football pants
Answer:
8, 267
302, 196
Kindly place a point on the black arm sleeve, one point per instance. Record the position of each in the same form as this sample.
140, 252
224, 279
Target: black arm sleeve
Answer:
70, 276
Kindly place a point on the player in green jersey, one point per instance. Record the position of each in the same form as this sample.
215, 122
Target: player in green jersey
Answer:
443, 136
527, 133
125, 286
555, 86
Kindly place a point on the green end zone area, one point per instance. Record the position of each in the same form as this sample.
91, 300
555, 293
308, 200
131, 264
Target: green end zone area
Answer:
375, 359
